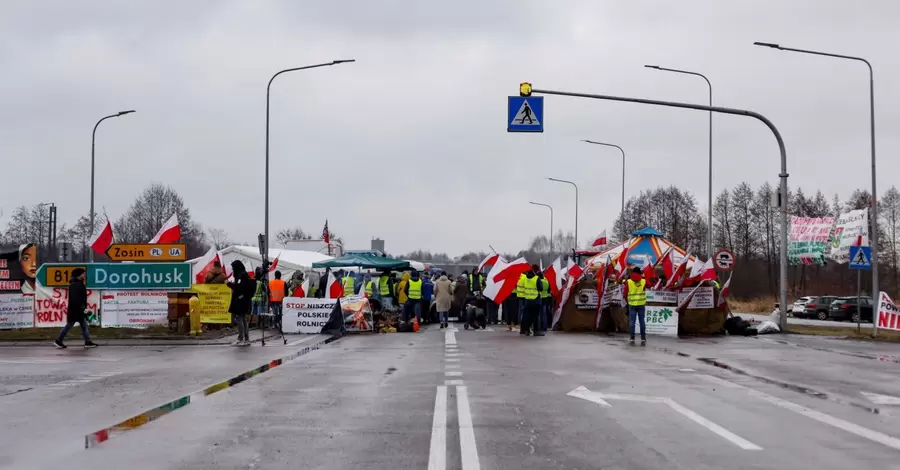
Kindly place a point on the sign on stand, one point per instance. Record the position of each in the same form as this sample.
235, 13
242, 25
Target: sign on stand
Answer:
358, 314
888, 314
306, 315
661, 321
214, 302
704, 298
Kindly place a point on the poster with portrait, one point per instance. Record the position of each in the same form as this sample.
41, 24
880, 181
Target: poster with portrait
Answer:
18, 267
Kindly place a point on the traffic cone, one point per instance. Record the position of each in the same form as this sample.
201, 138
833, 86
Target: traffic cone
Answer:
415, 324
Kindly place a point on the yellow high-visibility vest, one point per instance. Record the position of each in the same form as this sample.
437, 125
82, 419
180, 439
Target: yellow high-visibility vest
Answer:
349, 283
529, 288
520, 286
636, 295
383, 288
415, 289
369, 288
546, 292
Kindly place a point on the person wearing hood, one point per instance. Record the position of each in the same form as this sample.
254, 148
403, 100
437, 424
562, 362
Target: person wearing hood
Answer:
76, 311
242, 290
636, 297
529, 294
295, 282
413, 291
443, 293
215, 275
401, 291
427, 294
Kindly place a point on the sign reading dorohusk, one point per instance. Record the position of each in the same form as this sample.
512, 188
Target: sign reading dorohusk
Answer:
586, 299
662, 296
703, 298
306, 315
846, 232
808, 239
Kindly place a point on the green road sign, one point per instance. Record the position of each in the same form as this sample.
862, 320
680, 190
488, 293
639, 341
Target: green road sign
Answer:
121, 276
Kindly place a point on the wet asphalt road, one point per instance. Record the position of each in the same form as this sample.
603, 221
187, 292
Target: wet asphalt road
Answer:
464, 400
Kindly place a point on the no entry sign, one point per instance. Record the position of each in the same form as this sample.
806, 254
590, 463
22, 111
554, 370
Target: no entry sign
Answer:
724, 260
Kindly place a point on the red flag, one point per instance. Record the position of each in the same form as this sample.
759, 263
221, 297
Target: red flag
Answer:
709, 271
724, 292
274, 264
333, 288
204, 265
622, 261
574, 271
102, 240
600, 239
667, 264
170, 231
326, 235
503, 278
489, 261
553, 274
679, 271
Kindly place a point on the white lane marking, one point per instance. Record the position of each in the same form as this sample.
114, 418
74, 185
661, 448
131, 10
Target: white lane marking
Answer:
454, 382
467, 447
453, 354
880, 399
302, 340
686, 370
847, 426
437, 453
450, 337
600, 398
734, 438
451, 366
452, 373
451, 359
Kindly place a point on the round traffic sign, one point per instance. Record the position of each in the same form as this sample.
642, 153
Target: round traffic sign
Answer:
724, 260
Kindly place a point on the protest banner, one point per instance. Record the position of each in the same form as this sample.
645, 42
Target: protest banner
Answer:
214, 302
51, 304
661, 320
305, 315
357, 314
846, 232
808, 238
586, 299
18, 266
703, 297
16, 311
662, 296
613, 296
888, 314
134, 309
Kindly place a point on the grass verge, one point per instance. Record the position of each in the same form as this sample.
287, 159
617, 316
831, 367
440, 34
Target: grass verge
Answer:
887, 336
755, 305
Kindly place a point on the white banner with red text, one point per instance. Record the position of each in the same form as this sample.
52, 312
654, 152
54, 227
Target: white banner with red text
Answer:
51, 303
16, 311
134, 308
888, 314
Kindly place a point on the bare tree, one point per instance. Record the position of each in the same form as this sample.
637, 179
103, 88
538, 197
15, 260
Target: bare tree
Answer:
889, 210
287, 234
150, 210
219, 238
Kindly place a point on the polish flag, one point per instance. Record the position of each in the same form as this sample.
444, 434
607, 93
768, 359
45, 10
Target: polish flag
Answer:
503, 278
333, 288
709, 271
489, 261
204, 265
724, 292
679, 271
103, 240
696, 271
553, 274
600, 239
622, 261
274, 264
170, 231
574, 271
667, 264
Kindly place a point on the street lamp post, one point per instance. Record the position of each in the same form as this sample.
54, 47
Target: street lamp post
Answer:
551, 221
709, 245
576, 205
93, 141
622, 215
876, 294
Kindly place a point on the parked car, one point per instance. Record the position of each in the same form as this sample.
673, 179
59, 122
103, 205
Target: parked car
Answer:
844, 308
817, 307
799, 305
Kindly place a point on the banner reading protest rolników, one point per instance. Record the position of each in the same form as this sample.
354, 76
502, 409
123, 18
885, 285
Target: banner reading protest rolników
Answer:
134, 309
18, 266
51, 303
306, 315
846, 232
214, 302
808, 239
16, 311
888, 313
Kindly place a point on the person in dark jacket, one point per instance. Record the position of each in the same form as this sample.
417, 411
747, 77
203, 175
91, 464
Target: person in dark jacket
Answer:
242, 290
76, 311
323, 284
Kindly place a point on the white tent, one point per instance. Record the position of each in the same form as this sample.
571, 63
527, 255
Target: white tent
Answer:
288, 260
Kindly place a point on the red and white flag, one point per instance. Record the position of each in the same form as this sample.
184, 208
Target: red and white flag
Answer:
274, 265
696, 270
708, 272
302, 289
170, 231
103, 239
622, 260
553, 274
723, 294
489, 261
503, 278
333, 287
600, 239
668, 264
679, 271
326, 235
573, 271
204, 265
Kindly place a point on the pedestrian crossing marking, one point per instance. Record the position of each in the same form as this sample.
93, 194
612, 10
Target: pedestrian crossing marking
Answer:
525, 113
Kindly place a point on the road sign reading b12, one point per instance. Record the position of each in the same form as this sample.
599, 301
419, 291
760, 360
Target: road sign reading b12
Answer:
724, 260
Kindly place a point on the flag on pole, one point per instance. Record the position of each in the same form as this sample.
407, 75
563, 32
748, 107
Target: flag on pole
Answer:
503, 278
723, 294
326, 235
709, 271
554, 275
679, 271
489, 261
103, 239
274, 263
600, 239
170, 231
333, 288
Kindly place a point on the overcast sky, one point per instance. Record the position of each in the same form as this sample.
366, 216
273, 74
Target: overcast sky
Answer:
409, 143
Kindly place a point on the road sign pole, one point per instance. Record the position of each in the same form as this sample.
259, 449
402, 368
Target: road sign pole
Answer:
858, 301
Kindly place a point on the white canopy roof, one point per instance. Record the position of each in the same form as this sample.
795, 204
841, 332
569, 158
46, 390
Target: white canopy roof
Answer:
288, 260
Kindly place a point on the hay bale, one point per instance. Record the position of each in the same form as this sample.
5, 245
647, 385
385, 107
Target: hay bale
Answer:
701, 321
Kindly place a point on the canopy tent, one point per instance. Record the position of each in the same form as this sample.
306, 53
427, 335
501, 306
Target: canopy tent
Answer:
361, 260
288, 260
644, 247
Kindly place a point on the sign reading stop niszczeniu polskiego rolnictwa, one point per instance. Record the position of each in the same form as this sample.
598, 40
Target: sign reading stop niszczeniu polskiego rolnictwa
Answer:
124, 276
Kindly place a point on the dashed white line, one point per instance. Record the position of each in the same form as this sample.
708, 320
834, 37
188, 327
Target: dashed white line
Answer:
452, 359
452, 373
454, 382
467, 447
437, 453
451, 366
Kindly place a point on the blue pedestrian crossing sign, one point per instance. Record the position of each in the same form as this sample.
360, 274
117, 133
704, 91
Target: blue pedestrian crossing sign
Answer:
860, 257
525, 114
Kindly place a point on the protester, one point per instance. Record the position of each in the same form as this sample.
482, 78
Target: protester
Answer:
215, 275
296, 282
443, 294
76, 310
242, 290
511, 309
427, 294
348, 282
401, 291
277, 291
259, 294
323, 284
531, 302
385, 288
636, 297
413, 290
543, 295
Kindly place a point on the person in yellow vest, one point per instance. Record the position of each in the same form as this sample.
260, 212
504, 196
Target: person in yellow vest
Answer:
413, 290
349, 284
636, 296
277, 289
385, 285
530, 300
367, 286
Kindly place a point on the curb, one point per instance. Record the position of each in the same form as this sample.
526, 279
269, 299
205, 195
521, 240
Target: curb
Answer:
103, 435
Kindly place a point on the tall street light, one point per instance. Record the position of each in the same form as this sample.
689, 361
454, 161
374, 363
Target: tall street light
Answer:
873, 204
93, 141
622, 215
268, 90
709, 245
551, 221
576, 205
